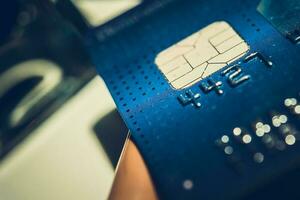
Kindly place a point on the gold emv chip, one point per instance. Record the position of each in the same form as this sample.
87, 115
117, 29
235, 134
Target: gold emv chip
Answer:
201, 54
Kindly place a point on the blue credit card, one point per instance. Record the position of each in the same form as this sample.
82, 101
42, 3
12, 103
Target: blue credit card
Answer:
210, 93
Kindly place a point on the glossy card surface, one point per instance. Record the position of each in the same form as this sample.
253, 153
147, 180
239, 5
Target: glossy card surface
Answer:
229, 126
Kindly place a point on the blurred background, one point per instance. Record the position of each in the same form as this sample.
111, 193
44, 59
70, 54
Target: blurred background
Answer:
60, 134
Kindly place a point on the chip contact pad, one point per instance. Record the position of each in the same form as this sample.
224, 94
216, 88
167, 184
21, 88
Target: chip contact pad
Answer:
201, 54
